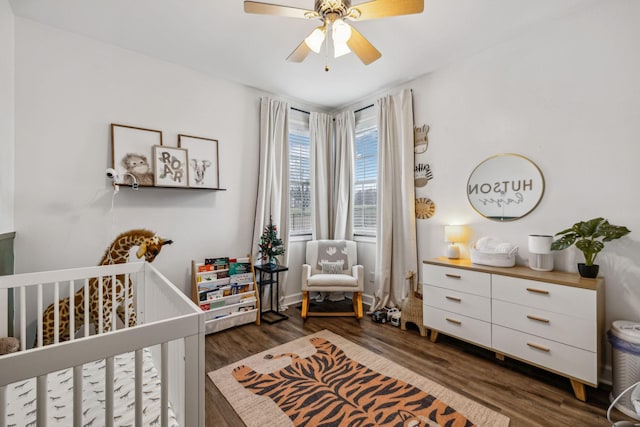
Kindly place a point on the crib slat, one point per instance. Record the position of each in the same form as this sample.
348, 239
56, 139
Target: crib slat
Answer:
77, 396
41, 403
56, 312
138, 386
40, 323
72, 312
3, 406
164, 384
108, 392
23, 317
100, 308
114, 284
87, 314
127, 300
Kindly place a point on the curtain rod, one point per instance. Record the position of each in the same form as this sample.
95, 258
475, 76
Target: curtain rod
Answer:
302, 111
356, 111
363, 108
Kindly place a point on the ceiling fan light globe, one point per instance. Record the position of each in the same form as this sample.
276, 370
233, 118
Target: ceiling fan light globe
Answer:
340, 49
315, 40
341, 31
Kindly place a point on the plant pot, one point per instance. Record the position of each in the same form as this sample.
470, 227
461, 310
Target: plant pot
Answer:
590, 271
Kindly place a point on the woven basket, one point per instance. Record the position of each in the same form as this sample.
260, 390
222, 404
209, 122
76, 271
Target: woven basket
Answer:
412, 308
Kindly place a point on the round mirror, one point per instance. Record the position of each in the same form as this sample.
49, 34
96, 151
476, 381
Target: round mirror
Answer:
505, 187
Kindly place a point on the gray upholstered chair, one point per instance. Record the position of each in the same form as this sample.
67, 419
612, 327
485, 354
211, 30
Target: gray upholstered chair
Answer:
331, 267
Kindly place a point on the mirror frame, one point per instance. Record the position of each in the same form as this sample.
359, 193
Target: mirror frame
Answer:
489, 180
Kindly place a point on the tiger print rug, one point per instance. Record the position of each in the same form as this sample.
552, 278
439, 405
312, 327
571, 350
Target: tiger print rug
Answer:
325, 380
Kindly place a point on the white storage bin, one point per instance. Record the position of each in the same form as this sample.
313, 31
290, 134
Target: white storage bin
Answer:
624, 338
494, 259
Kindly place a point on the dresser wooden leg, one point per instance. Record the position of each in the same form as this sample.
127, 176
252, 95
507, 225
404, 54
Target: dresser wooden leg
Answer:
500, 356
433, 336
579, 390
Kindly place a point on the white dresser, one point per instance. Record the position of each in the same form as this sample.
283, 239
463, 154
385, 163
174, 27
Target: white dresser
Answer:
553, 320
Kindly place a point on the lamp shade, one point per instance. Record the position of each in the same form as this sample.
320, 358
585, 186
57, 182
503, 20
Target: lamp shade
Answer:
456, 233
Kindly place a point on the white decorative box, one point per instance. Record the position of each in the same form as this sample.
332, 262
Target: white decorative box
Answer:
493, 253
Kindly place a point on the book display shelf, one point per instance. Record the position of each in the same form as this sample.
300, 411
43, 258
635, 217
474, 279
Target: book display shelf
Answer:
225, 289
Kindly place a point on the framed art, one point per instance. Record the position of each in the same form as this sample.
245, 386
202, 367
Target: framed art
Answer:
505, 187
203, 161
170, 166
132, 154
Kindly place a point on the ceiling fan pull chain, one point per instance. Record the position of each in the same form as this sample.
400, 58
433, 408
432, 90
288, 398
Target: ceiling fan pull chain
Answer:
326, 54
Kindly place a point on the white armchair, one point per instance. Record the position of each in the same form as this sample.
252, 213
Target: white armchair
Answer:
331, 267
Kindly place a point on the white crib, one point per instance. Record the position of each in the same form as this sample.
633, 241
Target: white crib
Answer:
168, 342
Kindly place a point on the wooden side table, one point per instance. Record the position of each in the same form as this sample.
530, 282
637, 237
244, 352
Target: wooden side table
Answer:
270, 275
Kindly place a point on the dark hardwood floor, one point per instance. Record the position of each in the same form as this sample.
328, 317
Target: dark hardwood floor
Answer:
528, 396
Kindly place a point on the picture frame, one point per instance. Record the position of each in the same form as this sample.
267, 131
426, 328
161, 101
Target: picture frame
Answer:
132, 154
204, 171
171, 166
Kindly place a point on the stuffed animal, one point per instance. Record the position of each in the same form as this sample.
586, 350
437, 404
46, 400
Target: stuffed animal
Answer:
138, 166
9, 345
149, 246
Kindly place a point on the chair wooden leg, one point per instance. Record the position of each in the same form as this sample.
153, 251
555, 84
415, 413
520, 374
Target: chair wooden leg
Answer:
305, 304
357, 304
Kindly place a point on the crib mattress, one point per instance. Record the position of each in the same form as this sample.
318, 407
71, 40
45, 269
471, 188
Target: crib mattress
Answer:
21, 397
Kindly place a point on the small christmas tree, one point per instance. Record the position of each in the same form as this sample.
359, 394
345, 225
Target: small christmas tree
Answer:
270, 244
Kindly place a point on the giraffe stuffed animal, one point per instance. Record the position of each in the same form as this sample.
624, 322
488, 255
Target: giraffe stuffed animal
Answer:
149, 246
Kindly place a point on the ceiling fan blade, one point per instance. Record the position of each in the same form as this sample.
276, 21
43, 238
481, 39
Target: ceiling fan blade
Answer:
362, 47
300, 53
278, 10
383, 8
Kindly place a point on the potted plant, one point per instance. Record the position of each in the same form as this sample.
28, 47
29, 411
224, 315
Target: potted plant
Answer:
589, 237
270, 245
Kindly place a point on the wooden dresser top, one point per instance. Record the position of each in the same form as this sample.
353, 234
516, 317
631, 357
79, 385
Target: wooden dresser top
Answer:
522, 272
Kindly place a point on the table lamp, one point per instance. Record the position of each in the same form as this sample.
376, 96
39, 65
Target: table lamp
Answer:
454, 234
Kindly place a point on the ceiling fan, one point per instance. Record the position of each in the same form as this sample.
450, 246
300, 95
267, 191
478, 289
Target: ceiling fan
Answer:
333, 15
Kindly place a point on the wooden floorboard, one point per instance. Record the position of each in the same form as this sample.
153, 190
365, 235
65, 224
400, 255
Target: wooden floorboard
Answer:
528, 396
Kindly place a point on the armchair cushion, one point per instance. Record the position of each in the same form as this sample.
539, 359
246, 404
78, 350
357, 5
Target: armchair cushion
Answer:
327, 281
333, 251
331, 267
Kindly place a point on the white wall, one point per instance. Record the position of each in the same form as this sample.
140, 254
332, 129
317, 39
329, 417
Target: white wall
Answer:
7, 141
68, 90
567, 96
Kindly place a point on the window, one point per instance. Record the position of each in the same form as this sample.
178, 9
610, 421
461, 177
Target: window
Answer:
299, 174
366, 173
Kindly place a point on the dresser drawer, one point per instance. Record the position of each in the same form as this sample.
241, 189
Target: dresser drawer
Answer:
471, 282
565, 359
457, 325
474, 306
576, 302
559, 327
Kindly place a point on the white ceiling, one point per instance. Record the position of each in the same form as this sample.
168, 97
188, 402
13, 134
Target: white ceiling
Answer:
216, 37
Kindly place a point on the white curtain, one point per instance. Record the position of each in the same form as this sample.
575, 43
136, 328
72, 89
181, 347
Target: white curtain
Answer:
396, 250
332, 180
342, 213
273, 177
321, 138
